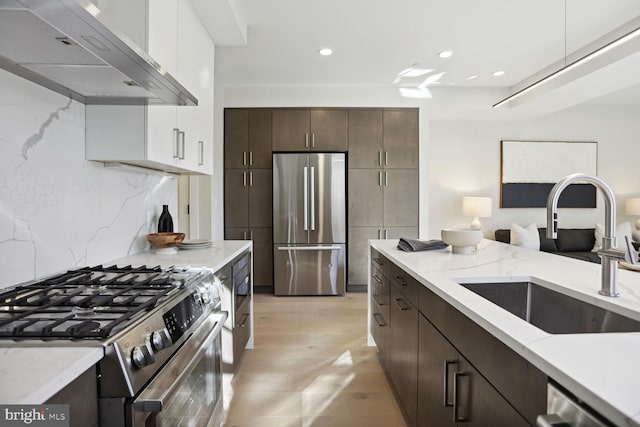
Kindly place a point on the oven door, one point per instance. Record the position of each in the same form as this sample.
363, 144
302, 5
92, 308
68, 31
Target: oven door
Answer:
188, 389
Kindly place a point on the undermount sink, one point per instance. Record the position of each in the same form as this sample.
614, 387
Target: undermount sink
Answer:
551, 311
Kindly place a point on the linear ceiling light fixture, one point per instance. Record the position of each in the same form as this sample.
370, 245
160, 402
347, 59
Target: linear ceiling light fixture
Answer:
607, 47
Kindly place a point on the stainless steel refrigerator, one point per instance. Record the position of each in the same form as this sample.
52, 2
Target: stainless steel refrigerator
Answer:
309, 223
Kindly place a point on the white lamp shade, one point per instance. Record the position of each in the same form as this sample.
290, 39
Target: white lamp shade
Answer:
477, 206
632, 206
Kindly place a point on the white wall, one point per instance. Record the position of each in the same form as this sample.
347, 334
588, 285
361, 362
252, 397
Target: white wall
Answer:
57, 210
463, 158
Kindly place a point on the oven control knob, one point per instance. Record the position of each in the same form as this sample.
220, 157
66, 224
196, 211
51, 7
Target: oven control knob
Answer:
160, 339
142, 356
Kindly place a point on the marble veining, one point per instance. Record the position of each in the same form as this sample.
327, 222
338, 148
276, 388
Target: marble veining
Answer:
58, 210
600, 369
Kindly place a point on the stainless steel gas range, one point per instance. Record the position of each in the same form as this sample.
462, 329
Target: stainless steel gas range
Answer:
160, 330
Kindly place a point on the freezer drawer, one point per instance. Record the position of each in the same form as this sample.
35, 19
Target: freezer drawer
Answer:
309, 269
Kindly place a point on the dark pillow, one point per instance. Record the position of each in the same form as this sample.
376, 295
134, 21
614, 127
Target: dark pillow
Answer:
546, 244
503, 235
575, 239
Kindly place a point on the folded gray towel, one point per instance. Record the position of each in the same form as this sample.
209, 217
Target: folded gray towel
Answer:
414, 245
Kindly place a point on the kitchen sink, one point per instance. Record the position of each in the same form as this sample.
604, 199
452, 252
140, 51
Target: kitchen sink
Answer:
552, 311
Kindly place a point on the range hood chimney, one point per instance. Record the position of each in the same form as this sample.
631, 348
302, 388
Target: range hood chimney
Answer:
66, 46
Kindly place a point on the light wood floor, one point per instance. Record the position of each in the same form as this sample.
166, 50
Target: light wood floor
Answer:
311, 367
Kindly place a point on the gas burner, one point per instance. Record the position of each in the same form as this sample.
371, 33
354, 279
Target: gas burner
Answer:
83, 311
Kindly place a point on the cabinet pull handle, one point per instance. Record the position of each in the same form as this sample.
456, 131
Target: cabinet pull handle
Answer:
375, 297
377, 260
386, 179
244, 158
456, 412
176, 132
244, 235
378, 234
445, 396
181, 134
402, 305
201, 160
400, 280
250, 234
306, 140
245, 317
250, 158
379, 158
313, 140
244, 179
379, 179
377, 318
386, 158
250, 178
376, 278
385, 234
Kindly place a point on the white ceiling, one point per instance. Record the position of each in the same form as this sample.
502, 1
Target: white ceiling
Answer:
373, 40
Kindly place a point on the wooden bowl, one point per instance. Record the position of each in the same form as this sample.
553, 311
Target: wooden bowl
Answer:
165, 240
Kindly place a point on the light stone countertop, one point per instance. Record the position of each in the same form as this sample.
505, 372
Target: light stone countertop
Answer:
32, 374
601, 369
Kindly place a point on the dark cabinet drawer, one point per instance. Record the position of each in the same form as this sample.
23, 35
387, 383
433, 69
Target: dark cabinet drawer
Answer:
407, 285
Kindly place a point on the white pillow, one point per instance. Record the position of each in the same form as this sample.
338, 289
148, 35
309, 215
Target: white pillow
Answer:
528, 238
622, 230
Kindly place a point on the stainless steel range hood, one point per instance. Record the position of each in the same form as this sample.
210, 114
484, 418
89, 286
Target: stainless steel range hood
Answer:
66, 46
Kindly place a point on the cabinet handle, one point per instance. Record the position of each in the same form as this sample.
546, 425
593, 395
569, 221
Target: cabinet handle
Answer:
377, 317
313, 140
250, 234
250, 178
306, 140
244, 235
244, 179
377, 260
244, 158
378, 234
375, 297
245, 317
376, 278
176, 132
250, 158
181, 135
386, 158
379, 179
400, 280
402, 305
201, 160
456, 412
379, 158
386, 179
445, 396
385, 234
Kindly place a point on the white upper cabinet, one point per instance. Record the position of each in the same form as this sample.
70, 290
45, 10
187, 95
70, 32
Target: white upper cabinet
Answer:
169, 138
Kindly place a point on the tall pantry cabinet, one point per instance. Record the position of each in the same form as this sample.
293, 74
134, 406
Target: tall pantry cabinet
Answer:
247, 186
383, 182
382, 153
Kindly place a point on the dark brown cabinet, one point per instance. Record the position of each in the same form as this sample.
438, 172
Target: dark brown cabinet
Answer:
310, 130
383, 181
247, 185
446, 369
452, 392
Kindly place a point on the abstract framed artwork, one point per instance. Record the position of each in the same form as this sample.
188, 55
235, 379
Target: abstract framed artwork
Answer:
529, 169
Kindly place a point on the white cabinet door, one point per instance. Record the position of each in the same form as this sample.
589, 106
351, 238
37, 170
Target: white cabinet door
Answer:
163, 143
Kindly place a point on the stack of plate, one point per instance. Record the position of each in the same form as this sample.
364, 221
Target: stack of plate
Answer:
195, 244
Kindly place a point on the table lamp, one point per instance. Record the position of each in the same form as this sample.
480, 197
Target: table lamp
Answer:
632, 207
477, 207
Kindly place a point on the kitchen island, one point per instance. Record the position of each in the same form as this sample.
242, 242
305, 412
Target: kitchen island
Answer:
600, 369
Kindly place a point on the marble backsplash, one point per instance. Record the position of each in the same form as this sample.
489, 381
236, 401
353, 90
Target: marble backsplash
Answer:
58, 210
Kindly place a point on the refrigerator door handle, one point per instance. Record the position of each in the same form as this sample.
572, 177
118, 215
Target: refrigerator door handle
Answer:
306, 199
309, 248
313, 197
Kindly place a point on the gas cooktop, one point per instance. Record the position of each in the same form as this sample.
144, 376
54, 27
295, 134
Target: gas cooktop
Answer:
89, 303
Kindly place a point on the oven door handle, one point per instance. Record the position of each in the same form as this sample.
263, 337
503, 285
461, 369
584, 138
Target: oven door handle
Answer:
168, 381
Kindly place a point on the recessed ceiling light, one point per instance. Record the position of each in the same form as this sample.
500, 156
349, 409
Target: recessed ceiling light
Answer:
498, 73
472, 77
325, 51
445, 54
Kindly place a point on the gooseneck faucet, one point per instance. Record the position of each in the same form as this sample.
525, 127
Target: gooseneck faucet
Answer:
609, 253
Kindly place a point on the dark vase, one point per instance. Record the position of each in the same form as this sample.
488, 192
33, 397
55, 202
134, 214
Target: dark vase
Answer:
165, 222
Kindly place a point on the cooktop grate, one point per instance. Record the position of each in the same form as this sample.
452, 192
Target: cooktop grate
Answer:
87, 303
